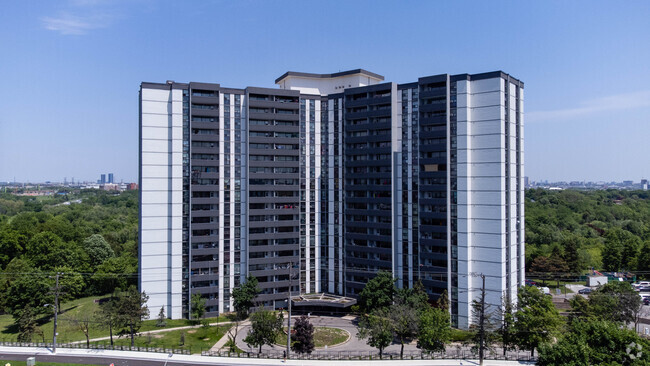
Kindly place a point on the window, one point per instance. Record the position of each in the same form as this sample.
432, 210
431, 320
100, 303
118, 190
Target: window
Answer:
203, 93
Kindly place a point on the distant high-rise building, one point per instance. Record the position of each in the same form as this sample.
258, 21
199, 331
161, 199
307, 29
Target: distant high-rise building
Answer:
110, 178
341, 175
526, 182
644, 184
102, 179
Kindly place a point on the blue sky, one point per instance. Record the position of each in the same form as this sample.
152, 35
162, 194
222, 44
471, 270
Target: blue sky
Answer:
71, 70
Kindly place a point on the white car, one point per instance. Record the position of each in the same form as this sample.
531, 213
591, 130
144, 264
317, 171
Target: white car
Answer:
641, 284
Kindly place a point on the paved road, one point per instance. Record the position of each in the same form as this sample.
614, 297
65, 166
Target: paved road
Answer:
127, 358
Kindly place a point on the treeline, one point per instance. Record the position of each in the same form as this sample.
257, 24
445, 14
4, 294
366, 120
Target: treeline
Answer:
573, 231
89, 236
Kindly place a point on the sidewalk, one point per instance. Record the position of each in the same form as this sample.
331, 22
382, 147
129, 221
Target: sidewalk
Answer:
94, 355
221, 342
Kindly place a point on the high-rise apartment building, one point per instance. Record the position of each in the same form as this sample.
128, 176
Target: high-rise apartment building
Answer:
329, 179
102, 179
110, 178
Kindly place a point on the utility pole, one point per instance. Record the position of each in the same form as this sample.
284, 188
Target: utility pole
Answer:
482, 323
289, 319
57, 292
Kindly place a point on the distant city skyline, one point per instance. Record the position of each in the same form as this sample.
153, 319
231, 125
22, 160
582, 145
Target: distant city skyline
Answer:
73, 113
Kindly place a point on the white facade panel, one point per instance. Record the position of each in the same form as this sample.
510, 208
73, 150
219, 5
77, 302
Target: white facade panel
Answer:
155, 95
154, 236
155, 222
155, 121
154, 158
156, 133
487, 85
481, 169
156, 107
487, 113
155, 249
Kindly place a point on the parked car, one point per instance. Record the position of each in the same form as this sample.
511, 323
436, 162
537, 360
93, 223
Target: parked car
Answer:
531, 283
646, 301
585, 291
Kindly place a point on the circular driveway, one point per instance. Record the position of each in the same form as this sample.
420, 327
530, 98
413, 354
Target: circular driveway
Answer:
346, 323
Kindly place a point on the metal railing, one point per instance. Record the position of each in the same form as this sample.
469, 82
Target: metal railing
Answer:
450, 353
98, 346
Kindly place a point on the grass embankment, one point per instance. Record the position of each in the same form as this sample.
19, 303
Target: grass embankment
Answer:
323, 336
459, 335
69, 332
195, 339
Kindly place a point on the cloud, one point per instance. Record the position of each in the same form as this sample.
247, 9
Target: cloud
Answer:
78, 17
633, 100
69, 24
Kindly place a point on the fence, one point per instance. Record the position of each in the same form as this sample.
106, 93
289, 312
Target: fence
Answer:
452, 353
98, 347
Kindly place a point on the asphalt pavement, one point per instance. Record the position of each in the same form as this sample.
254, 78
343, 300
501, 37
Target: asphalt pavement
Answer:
129, 358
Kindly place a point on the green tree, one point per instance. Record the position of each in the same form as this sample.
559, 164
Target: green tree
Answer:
47, 251
483, 327
596, 342
162, 318
265, 328
613, 251
443, 301
198, 307
244, 295
434, 330
615, 301
26, 287
404, 319
507, 331
377, 329
83, 321
378, 292
98, 249
631, 246
643, 261
415, 297
303, 339
71, 283
27, 325
553, 264
131, 305
115, 274
571, 245
536, 319
11, 246
109, 315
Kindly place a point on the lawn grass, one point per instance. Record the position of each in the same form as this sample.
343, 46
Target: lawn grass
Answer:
323, 336
67, 330
195, 339
459, 335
